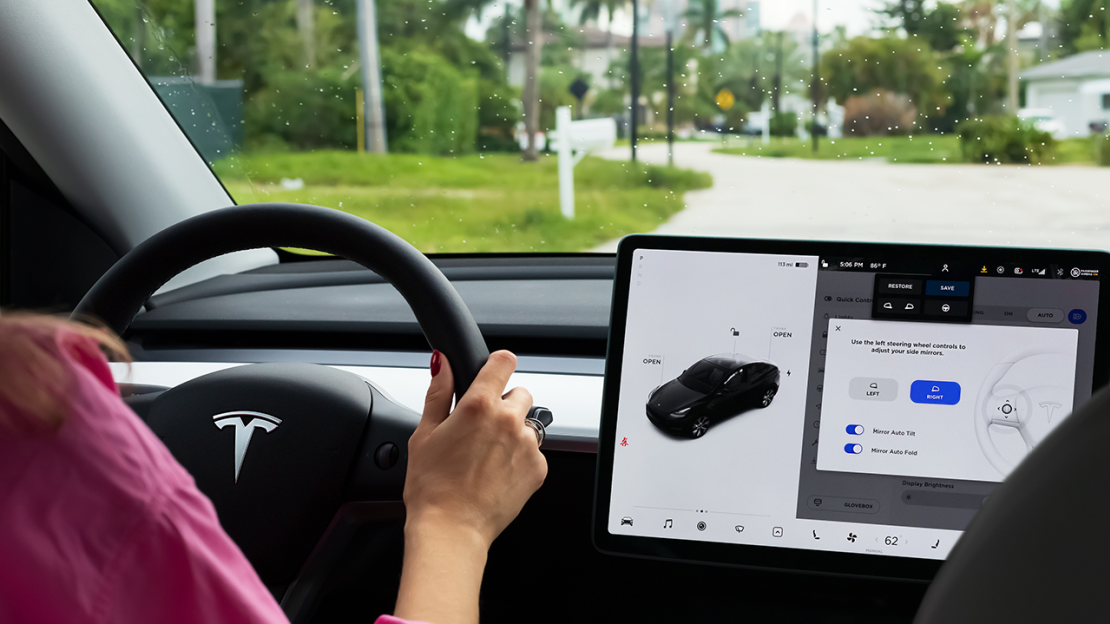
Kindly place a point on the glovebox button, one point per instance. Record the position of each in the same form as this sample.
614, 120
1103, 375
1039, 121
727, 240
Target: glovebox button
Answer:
935, 392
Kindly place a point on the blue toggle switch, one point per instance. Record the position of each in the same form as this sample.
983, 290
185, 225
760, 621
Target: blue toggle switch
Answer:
853, 449
854, 429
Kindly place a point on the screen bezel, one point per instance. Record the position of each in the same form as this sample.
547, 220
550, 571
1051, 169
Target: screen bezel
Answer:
774, 557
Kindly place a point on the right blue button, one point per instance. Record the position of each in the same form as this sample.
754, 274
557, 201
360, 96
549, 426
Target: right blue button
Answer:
935, 392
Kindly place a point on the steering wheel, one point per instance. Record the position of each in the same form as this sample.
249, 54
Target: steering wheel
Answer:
325, 441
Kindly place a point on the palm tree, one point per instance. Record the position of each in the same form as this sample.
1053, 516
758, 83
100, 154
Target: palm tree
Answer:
591, 10
533, 43
707, 20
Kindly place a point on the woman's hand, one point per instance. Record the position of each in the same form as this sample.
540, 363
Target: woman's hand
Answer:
470, 471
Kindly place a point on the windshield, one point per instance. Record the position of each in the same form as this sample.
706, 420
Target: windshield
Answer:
560, 126
703, 377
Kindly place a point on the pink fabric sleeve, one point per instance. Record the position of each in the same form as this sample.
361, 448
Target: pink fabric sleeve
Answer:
389, 619
100, 525
106, 526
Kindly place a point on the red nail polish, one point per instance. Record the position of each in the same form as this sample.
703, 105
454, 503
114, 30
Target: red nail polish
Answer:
435, 362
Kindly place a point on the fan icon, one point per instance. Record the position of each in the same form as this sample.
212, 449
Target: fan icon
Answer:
852, 537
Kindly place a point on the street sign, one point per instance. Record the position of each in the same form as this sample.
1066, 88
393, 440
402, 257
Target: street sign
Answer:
725, 99
578, 88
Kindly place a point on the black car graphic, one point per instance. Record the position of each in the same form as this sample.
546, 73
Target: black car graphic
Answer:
713, 389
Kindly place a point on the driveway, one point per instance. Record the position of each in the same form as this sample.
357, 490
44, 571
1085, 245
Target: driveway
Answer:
1034, 206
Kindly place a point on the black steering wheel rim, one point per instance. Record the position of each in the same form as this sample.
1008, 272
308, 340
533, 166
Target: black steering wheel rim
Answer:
118, 296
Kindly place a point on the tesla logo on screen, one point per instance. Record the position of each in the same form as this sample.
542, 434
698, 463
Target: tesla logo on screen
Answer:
245, 423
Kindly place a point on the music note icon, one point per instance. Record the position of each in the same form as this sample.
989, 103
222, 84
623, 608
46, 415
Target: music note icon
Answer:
668, 523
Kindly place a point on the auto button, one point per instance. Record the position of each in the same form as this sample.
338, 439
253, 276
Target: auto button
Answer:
1045, 315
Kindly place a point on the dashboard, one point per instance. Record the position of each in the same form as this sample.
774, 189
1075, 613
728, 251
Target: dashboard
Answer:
554, 312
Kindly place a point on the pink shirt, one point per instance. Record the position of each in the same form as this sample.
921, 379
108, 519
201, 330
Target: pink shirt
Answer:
99, 523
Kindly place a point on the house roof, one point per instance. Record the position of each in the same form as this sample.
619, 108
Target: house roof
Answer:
1095, 63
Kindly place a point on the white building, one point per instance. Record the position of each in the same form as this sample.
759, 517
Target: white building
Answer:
1075, 89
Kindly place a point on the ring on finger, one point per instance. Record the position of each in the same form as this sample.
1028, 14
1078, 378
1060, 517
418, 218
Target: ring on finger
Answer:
538, 428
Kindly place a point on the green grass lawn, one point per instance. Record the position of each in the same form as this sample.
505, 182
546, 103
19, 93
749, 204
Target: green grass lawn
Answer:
929, 148
924, 148
478, 203
1074, 151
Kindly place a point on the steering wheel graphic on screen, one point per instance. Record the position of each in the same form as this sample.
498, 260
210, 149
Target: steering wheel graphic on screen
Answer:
1009, 405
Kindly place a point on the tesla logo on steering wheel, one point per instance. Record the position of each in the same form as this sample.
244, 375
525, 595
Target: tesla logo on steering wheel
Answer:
245, 423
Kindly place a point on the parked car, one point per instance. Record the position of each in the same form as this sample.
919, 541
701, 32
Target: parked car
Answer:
713, 389
1045, 120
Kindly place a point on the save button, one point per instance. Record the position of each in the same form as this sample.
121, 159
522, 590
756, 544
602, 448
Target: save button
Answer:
935, 392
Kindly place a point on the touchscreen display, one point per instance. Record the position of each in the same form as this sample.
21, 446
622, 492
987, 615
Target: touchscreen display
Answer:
862, 405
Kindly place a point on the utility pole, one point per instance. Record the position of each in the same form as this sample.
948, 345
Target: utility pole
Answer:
816, 87
670, 25
533, 41
205, 28
634, 70
371, 66
306, 28
1011, 44
507, 44
1043, 18
777, 86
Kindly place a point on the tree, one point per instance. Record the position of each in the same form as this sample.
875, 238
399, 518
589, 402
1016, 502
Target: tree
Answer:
1084, 24
748, 68
908, 14
591, 10
891, 63
941, 26
707, 20
533, 50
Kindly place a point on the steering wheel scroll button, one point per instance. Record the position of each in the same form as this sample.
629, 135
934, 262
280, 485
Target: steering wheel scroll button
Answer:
387, 455
541, 414
926, 391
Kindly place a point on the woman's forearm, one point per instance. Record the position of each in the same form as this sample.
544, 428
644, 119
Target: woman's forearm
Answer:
443, 568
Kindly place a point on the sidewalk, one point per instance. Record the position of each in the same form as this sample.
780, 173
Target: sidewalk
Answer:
1028, 206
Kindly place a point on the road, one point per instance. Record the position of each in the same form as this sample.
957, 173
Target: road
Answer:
1012, 205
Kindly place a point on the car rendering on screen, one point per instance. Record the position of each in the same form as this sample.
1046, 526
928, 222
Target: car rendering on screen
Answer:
713, 389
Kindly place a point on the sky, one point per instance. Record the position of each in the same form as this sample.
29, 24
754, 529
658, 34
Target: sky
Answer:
857, 16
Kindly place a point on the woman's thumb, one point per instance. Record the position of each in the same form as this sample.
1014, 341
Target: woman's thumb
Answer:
441, 392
